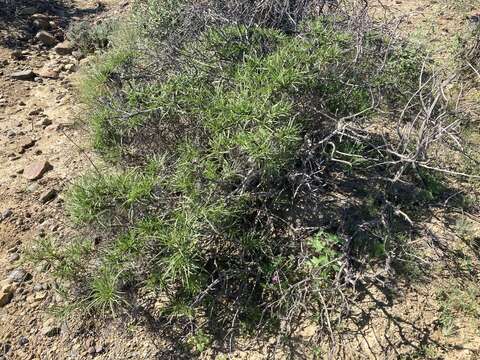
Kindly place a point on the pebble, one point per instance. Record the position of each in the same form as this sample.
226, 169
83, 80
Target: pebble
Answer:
29, 10
36, 170
23, 75
41, 24
22, 341
47, 195
5, 214
19, 275
27, 143
6, 294
13, 257
64, 48
44, 122
49, 329
46, 38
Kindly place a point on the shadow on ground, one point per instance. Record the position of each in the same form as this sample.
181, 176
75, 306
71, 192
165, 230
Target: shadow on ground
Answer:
17, 24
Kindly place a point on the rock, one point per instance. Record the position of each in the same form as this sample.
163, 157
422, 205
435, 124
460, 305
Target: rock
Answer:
46, 38
64, 48
23, 75
41, 24
36, 170
49, 329
91, 350
70, 67
27, 11
6, 294
48, 73
32, 187
99, 349
5, 348
19, 275
13, 257
22, 341
27, 143
48, 195
5, 214
43, 122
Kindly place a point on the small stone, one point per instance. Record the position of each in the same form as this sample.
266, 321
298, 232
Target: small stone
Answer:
48, 195
27, 11
41, 24
5, 214
64, 48
49, 329
48, 73
46, 38
46, 122
27, 143
13, 257
36, 170
6, 294
12, 250
70, 67
22, 341
91, 350
32, 187
5, 348
99, 349
19, 275
23, 75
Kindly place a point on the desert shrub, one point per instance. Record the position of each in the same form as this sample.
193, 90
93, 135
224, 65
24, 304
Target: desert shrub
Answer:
258, 118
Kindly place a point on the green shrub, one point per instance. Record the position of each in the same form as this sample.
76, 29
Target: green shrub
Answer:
251, 122
95, 196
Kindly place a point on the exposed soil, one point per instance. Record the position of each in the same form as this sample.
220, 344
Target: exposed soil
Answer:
41, 120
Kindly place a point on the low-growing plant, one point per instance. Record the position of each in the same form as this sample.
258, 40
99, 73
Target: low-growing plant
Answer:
257, 122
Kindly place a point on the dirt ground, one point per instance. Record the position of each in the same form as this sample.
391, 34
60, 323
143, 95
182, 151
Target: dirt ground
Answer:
41, 121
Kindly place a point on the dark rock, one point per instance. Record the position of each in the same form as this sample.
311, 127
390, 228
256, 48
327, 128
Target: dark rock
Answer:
5, 214
48, 195
6, 295
27, 11
22, 341
23, 75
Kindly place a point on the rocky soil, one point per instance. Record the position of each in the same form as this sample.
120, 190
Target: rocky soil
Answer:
41, 137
